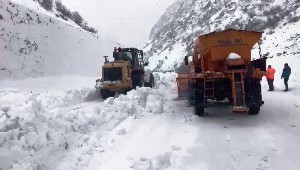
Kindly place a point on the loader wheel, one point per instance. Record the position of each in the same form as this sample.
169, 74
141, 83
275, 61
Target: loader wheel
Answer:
199, 100
150, 84
105, 94
254, 110
138, 82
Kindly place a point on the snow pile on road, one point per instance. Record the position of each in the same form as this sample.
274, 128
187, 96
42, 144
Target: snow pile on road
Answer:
35, 43
147, 129
63, 129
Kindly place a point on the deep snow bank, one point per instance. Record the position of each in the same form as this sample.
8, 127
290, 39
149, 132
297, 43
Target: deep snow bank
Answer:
34, 43
63, 129
54, 128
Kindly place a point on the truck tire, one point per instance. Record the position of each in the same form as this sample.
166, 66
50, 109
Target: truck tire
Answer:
199, 110
257, 97
254, 110
199, 99
191, 97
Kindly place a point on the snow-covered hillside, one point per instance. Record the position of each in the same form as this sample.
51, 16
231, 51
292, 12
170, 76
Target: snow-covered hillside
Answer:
173, 35
33, 42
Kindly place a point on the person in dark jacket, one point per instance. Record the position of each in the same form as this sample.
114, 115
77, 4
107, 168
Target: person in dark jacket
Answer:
286, 75
115, 54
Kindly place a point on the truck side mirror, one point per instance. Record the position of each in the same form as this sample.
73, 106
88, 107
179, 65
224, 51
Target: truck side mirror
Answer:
186, 60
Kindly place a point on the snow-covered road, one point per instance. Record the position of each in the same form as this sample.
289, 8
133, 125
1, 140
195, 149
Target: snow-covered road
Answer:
56, 123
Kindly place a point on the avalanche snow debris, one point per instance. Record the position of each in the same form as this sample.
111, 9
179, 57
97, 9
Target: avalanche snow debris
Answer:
51, 128
62, 130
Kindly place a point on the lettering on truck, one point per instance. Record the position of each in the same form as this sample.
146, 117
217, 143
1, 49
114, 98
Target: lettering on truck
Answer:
227, 42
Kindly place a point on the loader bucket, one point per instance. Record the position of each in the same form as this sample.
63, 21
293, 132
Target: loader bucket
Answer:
182, 84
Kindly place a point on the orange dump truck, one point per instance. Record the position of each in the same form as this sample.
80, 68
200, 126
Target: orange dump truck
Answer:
222, 72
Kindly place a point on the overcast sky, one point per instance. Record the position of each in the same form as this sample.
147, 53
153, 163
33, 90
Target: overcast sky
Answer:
129, 21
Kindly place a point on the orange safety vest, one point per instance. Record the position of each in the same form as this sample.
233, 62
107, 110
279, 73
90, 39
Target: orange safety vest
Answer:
270, 73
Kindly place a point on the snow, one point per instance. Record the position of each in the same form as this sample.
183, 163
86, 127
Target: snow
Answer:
112, 82
167, 59
185, 20
233, 56
35, 43
60, 121
58, 128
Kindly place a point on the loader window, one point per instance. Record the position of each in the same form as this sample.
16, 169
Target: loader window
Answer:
127, 56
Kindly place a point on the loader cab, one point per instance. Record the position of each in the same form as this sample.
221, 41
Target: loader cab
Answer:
134, 56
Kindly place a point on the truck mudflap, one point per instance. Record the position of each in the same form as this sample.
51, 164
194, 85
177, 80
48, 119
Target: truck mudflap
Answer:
182, 85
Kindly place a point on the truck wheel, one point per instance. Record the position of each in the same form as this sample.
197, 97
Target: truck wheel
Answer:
257, 97
254, 110
191, 95
199, 110
199, 99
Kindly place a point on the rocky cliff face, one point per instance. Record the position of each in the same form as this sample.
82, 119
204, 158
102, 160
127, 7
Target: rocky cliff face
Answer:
173, 35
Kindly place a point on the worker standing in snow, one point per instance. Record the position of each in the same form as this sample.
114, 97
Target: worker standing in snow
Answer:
270, 77
286, 75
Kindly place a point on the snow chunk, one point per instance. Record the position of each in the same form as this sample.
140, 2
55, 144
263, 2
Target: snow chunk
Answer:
233, 56
154, 104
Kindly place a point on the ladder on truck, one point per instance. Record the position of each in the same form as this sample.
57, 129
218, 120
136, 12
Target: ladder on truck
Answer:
238, 91
209, 89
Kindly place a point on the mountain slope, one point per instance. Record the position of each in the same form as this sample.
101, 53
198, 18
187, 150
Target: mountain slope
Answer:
172, 36
35, 43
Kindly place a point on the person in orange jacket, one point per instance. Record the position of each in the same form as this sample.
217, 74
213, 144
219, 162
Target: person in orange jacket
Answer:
270, 77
